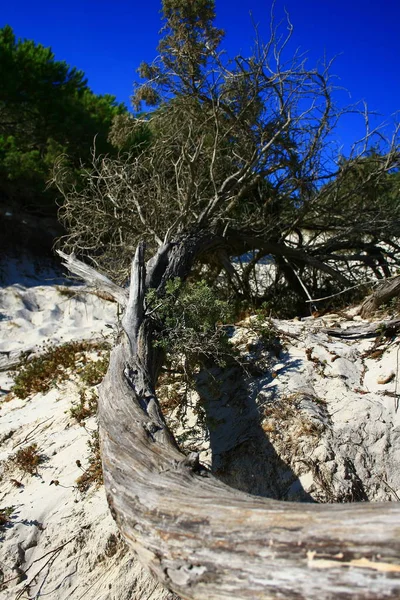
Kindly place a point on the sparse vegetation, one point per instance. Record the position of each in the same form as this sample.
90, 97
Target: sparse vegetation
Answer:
28, 459
191, 328
288, 409
86, 407
268, 338
94, 371
66, 291
7, 436
93, 475
390, 308
51, 367
5, 516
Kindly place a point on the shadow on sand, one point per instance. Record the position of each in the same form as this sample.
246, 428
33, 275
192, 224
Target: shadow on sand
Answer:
242, 455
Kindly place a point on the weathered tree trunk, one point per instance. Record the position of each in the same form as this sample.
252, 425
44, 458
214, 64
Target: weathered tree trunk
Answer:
387, 328
386, 291
201, 538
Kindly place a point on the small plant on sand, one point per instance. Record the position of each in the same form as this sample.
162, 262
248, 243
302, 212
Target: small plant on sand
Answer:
94, 473
189, 323
93, 373
51, 367
66, 291
28, 459
87, 406
267, 334
5, 516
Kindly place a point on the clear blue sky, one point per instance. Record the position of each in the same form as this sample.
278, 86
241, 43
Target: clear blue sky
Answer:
108, 40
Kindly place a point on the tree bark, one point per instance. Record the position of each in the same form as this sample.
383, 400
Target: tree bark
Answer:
386, 291
205, 540
365, 331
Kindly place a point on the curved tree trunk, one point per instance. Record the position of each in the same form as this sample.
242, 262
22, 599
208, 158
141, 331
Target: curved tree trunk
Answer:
201, 538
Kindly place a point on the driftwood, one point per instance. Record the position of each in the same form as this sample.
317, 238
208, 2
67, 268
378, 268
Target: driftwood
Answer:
95, 280
365, 331
13, 358
203, 539
389, 289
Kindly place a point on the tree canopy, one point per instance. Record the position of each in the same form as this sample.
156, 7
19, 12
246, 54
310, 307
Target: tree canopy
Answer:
235, 166
242, 148
46, 109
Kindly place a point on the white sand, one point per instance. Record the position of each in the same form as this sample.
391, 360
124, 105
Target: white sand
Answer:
65, 542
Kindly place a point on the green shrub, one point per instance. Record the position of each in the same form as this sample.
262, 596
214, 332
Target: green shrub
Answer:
191, 324
93, 373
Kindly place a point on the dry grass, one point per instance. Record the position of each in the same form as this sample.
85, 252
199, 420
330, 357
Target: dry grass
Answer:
171, 392
287, 410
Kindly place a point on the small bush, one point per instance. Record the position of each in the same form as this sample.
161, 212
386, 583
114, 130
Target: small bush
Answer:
28, 459
267, 334
94, 473
87, 406
191, 327
93, 373
190, 321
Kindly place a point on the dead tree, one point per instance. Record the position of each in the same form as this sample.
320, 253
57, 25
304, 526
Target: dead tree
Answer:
242, 149
199, 537
235, 161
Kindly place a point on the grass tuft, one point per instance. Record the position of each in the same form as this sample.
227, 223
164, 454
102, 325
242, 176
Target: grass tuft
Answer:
5, 516
86, 408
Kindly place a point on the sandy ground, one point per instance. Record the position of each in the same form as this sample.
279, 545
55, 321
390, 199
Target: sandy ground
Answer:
59, 542
324, 406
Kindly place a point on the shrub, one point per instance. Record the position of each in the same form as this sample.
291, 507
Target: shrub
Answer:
190, 323
28, 459
93, 373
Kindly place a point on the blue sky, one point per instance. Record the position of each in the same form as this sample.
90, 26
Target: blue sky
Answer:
108, 40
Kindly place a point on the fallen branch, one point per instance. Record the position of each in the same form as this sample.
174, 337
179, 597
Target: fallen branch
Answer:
13, 358
363, 331
96, 281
